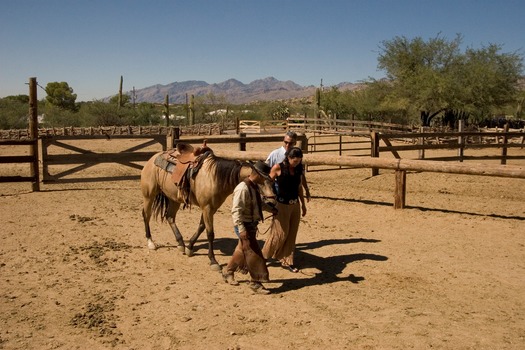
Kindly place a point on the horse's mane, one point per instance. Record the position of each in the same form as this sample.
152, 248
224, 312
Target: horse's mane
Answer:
227, 171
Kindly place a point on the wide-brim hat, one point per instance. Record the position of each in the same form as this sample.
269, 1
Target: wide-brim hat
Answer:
262, 169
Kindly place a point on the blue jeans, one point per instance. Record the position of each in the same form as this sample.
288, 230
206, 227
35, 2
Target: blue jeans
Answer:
248, 225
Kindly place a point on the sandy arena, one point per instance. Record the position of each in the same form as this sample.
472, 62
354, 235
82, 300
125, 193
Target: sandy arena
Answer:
447, 272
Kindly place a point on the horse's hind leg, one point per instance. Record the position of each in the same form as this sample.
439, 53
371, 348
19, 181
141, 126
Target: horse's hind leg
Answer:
146, 216
149, 189
174, 207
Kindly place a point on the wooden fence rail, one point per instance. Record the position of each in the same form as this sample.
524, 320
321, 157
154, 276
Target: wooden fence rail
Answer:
454, 140
400, 166
85, 157
31, 159
262, 126
343, 126
243, 139
338, 144
319, 125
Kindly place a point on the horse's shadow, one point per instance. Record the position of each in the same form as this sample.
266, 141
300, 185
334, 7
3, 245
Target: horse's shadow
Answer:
330, 267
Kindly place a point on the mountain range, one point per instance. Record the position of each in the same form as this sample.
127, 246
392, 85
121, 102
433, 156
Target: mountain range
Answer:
234, 91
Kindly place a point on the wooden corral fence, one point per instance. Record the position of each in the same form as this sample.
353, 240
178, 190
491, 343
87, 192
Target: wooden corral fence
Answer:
31, 141
243, 139
376, 142
198, 129
401, 166
250, 126
85, 158
342, 126
315, 125
31, 159
357, 145
262, 126
460, 141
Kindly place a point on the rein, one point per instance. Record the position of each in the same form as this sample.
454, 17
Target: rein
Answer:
269, 227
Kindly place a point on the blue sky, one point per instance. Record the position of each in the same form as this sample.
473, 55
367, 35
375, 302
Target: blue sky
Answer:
90, 44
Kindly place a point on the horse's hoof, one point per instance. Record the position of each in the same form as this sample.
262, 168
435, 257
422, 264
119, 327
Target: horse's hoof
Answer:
151, 245
188, 252
181, 248
215, 267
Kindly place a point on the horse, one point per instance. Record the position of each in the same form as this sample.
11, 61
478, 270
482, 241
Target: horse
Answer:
214, 181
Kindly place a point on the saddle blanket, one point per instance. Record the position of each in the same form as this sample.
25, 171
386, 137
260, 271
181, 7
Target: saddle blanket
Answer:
164, 164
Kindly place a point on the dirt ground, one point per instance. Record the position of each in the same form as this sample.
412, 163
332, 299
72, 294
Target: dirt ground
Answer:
447, 272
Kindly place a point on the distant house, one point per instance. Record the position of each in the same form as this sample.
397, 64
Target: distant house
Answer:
173, 117
218, 112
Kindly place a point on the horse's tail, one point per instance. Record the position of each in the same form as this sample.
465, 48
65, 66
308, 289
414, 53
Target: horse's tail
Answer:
160, 206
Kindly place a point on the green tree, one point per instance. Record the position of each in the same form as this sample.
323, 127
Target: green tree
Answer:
14, 112
104, 114
57, 117
378, 101
61, 96
435, 77
125, 100
146, 114
489, 81
335, 103
421, 72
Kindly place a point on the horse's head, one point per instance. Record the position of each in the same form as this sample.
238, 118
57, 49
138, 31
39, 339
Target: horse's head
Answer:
267, 193
266, 184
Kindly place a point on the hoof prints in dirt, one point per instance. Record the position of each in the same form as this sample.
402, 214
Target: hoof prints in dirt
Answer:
81, 219
98, 317
97, 250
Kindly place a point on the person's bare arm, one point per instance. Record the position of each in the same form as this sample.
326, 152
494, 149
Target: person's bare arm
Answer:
306, 189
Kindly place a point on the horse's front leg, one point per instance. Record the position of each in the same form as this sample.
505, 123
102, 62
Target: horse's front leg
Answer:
207, 219
195, 237
178, 236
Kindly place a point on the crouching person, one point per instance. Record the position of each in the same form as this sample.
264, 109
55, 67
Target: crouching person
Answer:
246, 214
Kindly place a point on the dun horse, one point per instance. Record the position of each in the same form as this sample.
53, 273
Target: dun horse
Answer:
214, 182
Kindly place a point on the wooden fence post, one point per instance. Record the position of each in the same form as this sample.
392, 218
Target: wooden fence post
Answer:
33, 132
374, 149
340, 148
421, 141
242, 144
46, 142
504, 146
461, 139
173, 134
400, 189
